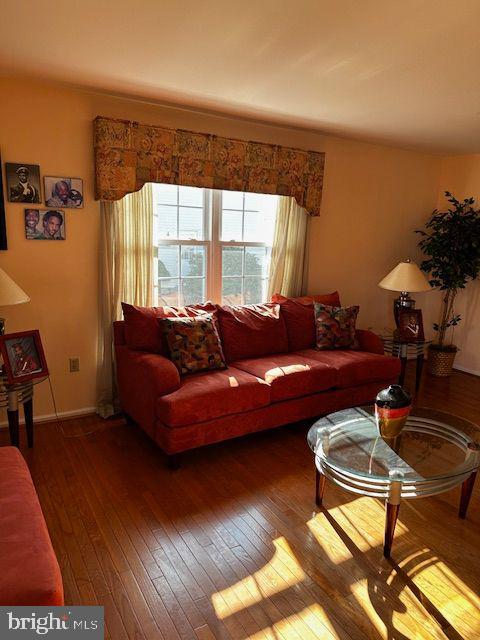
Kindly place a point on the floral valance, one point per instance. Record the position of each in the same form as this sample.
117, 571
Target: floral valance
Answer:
129, 154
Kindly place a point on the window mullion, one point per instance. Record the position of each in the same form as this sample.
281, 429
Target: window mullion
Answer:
216, 269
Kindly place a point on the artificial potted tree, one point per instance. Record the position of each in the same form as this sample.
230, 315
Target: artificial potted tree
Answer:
451, 244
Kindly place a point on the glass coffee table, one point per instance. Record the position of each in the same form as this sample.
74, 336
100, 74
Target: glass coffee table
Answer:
435, 452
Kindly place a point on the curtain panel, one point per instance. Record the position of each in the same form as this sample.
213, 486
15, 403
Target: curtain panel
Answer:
130, 154
288, 264
126, 272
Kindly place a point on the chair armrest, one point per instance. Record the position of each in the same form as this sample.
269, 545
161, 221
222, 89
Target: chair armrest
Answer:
369, 341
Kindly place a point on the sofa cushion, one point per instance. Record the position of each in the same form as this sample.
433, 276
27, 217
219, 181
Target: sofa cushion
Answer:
335, 326
210, 395
29, 572
356, 367
290, 375
299, 317
193, 343
142, 331
251, 331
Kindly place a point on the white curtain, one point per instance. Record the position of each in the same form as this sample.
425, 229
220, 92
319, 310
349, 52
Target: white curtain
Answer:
126, 275
288, 270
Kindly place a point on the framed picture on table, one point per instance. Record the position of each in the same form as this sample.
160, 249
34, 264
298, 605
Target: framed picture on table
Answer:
23, 356
410, 325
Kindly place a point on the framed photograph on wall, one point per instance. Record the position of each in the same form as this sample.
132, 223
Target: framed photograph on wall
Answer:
410, 325
44, 224
23, 182
66, 193
23, 356
3, 223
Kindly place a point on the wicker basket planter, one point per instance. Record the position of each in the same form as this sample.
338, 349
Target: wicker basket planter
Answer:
440, 361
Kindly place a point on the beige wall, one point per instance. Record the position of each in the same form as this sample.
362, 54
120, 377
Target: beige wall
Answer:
461, 176
374, 198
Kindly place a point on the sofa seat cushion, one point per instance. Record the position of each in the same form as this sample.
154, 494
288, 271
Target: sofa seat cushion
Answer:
356, 367
29, 572
290, 375
213, 394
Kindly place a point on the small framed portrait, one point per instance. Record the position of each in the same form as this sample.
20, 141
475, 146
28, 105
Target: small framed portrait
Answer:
23, 182
65, 193
23, 356
410, 325
44, 224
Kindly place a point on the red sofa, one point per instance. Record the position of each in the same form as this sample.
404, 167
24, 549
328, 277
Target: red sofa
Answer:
275, 376
29, 571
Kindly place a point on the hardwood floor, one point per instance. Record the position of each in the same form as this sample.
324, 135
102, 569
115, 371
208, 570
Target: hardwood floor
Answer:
232, 546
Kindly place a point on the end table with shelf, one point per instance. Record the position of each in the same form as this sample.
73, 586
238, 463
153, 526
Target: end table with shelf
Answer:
11, 396
403, 350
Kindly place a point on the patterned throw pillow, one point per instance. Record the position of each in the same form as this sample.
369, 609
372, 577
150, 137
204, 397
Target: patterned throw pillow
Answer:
335, 326
194, 343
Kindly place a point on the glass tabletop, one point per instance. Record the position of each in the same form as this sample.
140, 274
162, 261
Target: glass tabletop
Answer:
433, 445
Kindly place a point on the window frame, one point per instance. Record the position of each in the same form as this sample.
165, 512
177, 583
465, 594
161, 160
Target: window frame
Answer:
212, 207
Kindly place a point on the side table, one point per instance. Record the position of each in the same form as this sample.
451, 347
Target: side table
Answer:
401, 349
11, 395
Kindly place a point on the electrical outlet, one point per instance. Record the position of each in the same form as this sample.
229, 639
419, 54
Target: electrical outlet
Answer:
74, 365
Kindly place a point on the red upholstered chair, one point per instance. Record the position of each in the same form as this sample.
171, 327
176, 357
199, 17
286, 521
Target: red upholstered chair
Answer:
29, 571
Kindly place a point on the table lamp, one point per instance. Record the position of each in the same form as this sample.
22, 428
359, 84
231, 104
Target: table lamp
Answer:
10, 294
406, 277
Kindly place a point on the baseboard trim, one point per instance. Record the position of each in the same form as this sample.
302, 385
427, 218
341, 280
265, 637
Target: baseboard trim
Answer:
473, 372
49, 417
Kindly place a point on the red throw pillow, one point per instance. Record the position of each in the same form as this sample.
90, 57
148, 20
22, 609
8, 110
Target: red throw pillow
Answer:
299, 317
142, 331
251, 331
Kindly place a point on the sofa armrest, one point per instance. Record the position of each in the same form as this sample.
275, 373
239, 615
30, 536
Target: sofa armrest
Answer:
369, 341
154, 371
142, 378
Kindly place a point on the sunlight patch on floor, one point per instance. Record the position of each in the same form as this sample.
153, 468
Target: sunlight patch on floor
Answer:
272, 578
393, 609
331, 543
310, 623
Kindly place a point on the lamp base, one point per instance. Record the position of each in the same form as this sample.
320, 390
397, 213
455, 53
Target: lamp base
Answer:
404, 301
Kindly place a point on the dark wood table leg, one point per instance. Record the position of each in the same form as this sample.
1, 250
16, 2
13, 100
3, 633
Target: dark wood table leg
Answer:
319, 487
418, 376
403, 367
13, 427
28, 412
391, 515
467, 488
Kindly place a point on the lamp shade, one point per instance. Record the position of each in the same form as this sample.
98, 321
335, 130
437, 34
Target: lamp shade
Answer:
10, 292
405, 277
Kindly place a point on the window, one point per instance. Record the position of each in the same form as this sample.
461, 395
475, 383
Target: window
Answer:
211, 245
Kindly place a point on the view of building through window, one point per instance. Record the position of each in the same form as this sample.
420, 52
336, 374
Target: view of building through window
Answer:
211, 245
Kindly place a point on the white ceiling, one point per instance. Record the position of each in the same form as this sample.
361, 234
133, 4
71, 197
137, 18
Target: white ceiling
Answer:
405, 72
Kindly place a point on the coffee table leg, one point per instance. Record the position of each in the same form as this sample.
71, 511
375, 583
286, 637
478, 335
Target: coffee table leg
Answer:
392, 507
320, 487
467, 488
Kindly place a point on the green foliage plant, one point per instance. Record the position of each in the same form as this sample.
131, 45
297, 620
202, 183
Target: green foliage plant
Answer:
451, 244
